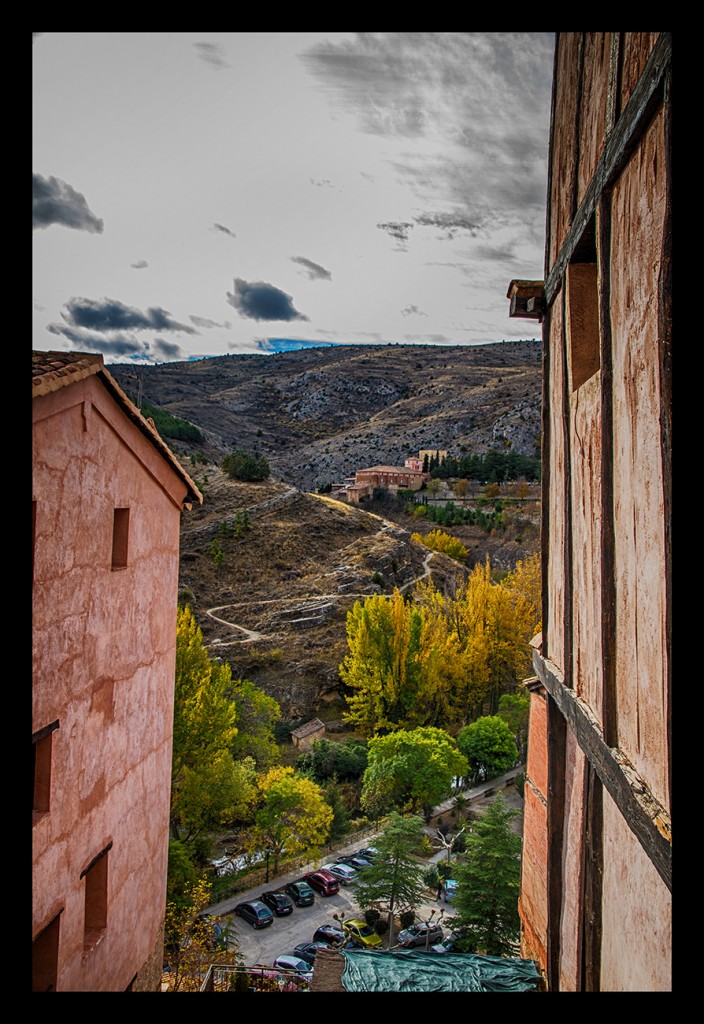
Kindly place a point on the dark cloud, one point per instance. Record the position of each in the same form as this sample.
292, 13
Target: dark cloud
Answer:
212, 54
225, 231
55, 202
168, 350
119, 345
260, 301
322, 183
397, 229
449, 223
111, 315
411, 310
139, 265
314, 271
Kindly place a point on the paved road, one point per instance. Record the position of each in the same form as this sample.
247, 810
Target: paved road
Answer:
263, 946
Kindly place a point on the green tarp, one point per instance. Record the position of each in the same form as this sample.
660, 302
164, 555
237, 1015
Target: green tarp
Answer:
412, 970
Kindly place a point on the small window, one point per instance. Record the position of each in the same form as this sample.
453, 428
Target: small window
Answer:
120, 537
583, 321
96, 899
41, 770
45, 957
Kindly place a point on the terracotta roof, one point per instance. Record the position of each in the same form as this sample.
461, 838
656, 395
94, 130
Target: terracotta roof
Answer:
54, 370
390, 469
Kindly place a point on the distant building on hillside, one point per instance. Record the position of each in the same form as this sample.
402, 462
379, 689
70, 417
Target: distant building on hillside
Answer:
304, 736
596, 887
107, 499
391, 478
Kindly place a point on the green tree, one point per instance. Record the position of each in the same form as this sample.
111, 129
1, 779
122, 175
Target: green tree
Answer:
488, 746
256, 718
410, 769
293, 815
207, 787
239, 465
514, 709
193, 940
327, 760
488, 876
394, 882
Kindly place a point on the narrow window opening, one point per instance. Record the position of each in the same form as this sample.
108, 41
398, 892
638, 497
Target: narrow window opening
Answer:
45, 957
96, 900
120, 536
583, 310
41, 771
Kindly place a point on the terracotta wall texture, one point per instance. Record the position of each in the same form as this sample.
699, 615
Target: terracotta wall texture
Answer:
103, 667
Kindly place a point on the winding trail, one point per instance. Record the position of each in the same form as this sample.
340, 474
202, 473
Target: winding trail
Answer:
251, 635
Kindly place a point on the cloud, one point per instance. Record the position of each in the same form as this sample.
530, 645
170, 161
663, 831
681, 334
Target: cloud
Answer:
260, 301
321, 183
313, 270
212, 54
202, 321
55, 202
396, 229
169, 350
139, 265
450, 223
225, 231
119, 345
112, 315
411, 310
479, 100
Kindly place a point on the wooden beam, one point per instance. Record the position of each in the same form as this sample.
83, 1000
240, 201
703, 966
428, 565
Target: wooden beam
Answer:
632, 125
557, 750
644, 814
591, 925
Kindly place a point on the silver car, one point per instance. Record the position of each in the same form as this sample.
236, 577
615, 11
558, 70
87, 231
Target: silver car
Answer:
420, 935
342, 872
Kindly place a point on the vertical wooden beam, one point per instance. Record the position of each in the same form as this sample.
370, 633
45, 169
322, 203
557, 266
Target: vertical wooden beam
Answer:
665, 347
567, 577
545, 481
574, 184
613, 101
557, 747
593, 883
608, 558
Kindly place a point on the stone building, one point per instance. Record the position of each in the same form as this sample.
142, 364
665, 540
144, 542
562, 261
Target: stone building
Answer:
107, 499
305, 735
596, 889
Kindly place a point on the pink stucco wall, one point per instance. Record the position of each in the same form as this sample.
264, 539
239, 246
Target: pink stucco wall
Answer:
103, 666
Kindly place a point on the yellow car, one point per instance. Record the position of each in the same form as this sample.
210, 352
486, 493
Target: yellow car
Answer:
360, 931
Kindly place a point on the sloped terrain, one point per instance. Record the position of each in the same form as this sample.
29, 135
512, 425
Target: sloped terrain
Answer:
276, 605
319, 414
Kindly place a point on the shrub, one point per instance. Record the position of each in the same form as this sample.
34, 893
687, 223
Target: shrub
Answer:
407, 918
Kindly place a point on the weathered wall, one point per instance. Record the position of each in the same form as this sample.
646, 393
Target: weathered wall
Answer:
636, 950
593, 106
555, 627
572, 868
103, 665
638, 213
532, 905
563, 168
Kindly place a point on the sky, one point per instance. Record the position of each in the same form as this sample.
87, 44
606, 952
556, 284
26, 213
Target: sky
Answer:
202, 194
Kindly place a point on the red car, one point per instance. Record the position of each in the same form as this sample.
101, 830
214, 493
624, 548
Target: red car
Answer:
323, 882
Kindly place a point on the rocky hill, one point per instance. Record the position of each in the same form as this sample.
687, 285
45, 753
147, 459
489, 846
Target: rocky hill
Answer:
271, 570
317, 415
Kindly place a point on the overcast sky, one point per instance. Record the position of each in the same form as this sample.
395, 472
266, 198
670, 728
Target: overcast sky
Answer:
198, 194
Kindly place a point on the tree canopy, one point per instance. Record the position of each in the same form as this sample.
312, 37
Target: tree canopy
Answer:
394, 882
410, 769
208, 787
488, 877
239, 465
293, 814
489, 746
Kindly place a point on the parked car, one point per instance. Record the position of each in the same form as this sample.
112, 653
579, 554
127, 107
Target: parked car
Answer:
417, 935
323, 882
279, 902
307, 950
358, 929
370, 852
301, 893
289, 962
342, 872
450, 889
446, 946
329, 933
355, 860
255, 913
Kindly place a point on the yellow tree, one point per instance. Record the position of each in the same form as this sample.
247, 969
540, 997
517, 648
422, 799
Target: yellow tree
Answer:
208, 787
293, 815
438, 540
193, 940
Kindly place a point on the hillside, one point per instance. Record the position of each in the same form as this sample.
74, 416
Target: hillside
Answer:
317, 415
